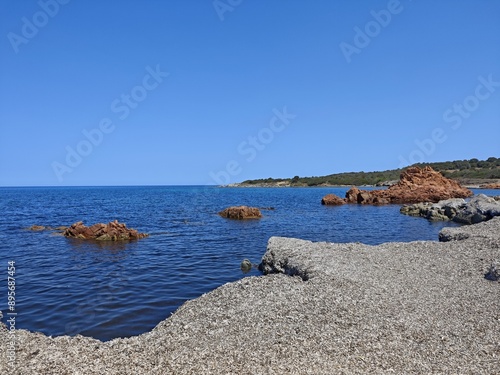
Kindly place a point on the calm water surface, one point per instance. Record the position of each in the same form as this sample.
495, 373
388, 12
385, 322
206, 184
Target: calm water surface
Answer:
108, 290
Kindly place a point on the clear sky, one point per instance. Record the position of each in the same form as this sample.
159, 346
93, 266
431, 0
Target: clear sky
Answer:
101, 92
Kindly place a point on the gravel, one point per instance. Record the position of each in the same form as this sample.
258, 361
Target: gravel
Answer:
414, 308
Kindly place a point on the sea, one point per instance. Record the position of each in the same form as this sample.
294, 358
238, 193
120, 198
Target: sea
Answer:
107, 290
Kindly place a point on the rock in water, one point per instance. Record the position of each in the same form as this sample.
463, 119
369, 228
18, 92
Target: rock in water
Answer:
246, 266
37, 228
113, 231
425, 185
415, 185
241, 212
479, 208
332, 200
443, 210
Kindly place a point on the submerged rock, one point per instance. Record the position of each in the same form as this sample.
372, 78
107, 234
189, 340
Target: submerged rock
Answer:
37, 228
113, 231
241, 212
40, 228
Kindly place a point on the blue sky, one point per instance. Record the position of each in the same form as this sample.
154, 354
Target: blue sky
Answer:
205, 92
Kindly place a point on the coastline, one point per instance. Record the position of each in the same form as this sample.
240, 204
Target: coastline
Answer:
418, 307
272, 185
469, 184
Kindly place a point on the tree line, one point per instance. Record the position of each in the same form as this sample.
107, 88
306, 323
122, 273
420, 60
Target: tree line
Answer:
457, 169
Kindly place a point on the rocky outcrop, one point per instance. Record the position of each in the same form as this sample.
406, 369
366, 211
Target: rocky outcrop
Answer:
479, 208
241, 212
491, 186
355, 195
415, 185
443, 210
332, 200
113, 231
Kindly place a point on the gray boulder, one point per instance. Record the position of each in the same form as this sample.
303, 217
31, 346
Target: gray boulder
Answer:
477, 209
416, 209
442, 211
450, 234
450, 207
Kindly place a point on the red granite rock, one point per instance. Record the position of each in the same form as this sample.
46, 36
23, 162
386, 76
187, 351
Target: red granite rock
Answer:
415, 185
332, 200
241, 212
113, 231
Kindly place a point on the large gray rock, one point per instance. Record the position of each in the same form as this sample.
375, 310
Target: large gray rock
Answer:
450, 207
479, 208
450, 234
481, 233
416, 209
443, 210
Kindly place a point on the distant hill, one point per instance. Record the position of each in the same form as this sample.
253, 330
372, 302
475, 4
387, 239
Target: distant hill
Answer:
467, 172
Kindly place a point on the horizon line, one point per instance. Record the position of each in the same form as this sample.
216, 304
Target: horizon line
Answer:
66, 186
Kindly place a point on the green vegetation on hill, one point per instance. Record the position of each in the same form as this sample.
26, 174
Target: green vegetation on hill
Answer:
458, 169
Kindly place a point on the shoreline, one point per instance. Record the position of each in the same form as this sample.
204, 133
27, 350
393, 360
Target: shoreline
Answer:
240, 185
469, 183
417, 307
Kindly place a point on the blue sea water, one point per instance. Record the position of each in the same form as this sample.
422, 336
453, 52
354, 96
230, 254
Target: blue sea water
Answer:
109, 290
